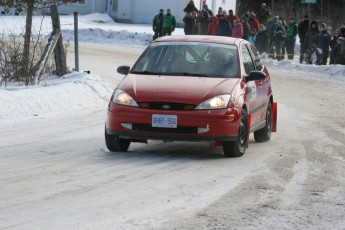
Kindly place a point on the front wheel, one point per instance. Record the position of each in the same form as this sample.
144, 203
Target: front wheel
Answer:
116, 144
238, 148
264, 134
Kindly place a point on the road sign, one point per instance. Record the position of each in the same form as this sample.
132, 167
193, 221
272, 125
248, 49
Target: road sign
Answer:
309, 1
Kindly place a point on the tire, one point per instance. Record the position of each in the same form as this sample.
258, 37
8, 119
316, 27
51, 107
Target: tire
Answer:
116, 144
238, 148
264, 134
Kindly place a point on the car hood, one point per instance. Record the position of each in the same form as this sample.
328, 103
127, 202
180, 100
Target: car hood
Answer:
177, 89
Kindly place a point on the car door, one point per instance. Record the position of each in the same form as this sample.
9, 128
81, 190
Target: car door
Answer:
264, 85
252, 98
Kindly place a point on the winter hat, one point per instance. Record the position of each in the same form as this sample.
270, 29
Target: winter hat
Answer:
276, 18
262, 26
313, 22
323, 25
340, 39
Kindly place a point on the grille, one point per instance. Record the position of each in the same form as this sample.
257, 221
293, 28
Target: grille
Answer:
179, 129
167, 106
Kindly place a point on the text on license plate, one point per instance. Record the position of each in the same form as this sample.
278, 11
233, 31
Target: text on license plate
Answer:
164, 121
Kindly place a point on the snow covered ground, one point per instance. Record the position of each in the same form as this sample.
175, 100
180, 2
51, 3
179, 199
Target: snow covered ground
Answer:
84, 90
56, 172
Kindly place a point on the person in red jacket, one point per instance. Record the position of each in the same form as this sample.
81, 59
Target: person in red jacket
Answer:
231, 17
212, 27
253, 22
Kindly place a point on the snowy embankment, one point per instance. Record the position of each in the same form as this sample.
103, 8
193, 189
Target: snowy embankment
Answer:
79, 90
74, 91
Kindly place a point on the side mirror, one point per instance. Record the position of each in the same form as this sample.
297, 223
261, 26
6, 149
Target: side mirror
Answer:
256, 75
124, 69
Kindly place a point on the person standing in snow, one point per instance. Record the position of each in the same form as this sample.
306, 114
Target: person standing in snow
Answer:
231, 17
334, 42
262, 41
189, 23
212, 27
252, 37
324, 42
190, 7
271, 28
253, 22
157, 24
210, 13
291, 33
224, 27
312, 36
246, 28
237, 29
169, 23
263, 14
279, 40
303, 28
202, 21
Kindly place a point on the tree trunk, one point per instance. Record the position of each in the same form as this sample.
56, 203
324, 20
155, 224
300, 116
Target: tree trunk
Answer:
27, 39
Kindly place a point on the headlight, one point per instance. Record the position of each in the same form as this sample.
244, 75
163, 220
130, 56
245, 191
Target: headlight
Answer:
123, 98
217, 102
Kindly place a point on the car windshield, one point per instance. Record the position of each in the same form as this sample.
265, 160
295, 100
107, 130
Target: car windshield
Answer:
189, 59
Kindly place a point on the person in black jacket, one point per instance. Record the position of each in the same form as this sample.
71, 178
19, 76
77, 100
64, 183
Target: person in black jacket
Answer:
190, 7
262, 41
333, 44
303, 28
312, 36
324, 42
157, 24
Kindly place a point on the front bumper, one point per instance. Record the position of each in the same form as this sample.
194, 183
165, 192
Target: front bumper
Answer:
222, 124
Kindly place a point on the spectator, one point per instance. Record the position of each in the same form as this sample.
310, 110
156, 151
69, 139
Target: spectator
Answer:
263, 14
210, 13
291, 33
339, 53
231, 17
324, 43
262, 41
169, 23
271, 28
157, 24
333, 44
302, 33
246, 28
252, 37
312, 36
314, 55
253, 22
202, 21
190, 7
279, 40
190, 23
212, 27
237, 29
224, 27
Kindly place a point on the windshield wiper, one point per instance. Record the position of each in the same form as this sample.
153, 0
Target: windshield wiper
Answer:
188, 74
147, 72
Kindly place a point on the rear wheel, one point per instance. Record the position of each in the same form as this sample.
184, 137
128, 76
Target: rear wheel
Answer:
238, 148
116, 144
264, 134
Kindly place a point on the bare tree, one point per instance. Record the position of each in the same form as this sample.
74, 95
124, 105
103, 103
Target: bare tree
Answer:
29, 6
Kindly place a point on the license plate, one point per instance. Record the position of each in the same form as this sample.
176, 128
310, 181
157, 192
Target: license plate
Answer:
164, 121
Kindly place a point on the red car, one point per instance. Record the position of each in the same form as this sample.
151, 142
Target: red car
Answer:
193, 88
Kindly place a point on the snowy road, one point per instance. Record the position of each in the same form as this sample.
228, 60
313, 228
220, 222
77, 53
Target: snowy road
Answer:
57, 174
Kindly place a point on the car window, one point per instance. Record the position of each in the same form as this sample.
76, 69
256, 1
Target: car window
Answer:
255, 54
189, 58
247, 60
